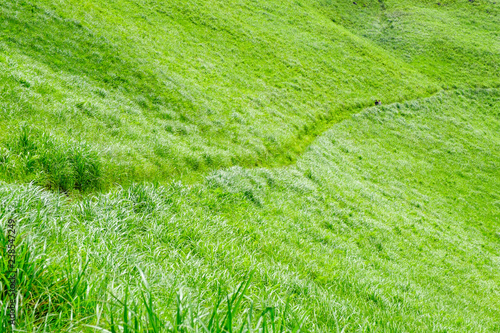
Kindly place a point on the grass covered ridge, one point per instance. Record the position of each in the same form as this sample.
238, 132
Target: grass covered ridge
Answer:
389, 222
166, 89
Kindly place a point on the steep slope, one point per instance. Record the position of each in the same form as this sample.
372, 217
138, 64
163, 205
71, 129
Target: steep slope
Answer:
162, 89
389, 222
165, 88
455, 42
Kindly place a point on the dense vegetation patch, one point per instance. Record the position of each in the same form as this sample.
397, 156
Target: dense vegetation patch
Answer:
454, 42
34, 156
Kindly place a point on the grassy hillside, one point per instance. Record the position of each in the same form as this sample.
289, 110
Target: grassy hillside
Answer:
454, 42
162, 89
389, 222
209, 166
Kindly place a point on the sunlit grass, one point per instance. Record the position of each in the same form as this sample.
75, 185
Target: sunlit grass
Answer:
178, 89
388, 222
214, 166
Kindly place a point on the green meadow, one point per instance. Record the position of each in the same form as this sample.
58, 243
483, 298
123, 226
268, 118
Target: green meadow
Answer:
212, 166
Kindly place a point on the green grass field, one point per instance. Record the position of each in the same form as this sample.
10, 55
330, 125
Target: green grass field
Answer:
211, 166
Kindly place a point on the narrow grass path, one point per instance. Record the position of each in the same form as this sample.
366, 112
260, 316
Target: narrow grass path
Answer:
353, 217
176, 90
388, 222
306, 138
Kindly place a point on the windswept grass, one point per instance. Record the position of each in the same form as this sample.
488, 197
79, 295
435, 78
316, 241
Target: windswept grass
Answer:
167, 89
157, 158
389, 222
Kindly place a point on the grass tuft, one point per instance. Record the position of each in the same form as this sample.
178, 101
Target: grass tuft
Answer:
32, 155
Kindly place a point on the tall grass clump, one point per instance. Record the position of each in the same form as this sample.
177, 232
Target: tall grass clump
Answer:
32, 155
230, 312
36, 287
